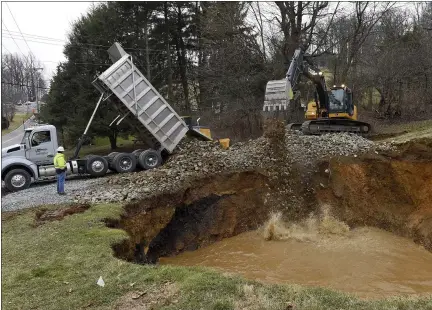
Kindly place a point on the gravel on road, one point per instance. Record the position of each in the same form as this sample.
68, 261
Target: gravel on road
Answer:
43, 194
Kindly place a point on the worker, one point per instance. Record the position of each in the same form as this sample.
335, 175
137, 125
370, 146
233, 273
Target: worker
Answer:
60, 167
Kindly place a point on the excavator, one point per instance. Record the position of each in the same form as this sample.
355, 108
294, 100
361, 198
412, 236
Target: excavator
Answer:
332, 109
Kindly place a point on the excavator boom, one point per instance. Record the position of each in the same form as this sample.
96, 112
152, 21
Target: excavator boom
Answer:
333, 109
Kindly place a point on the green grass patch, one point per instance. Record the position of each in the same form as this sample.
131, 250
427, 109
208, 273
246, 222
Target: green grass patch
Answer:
56, 266
102, 146
18, 120
102, 141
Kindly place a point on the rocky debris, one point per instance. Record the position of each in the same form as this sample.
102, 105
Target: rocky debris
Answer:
274, 152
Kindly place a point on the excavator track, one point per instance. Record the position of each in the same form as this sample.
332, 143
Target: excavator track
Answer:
294, 126
332, 125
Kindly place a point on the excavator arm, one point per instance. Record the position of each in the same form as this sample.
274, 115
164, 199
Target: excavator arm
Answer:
279, 93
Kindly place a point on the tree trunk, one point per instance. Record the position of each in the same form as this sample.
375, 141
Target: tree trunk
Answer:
113, 140
201, 17
182, 58
147, 48
167, 38
370, 99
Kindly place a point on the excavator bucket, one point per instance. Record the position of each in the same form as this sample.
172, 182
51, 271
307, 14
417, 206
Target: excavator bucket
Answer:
278, 95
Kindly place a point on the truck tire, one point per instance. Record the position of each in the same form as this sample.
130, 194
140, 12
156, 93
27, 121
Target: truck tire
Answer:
110, 160
150, 159
17, 179
124, 162
138, 152
97, 166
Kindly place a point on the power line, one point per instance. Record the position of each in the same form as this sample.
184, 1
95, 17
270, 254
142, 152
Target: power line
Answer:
38, 36
19, 29
14, 40
23, 85
40, 40
49, 43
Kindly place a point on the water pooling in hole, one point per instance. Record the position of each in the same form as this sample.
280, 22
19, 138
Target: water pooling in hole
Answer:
368, 262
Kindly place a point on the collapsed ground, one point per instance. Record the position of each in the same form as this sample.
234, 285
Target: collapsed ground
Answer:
204, 194
388, 186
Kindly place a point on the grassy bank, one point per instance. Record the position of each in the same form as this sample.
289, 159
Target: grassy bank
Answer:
56, 266
18, 120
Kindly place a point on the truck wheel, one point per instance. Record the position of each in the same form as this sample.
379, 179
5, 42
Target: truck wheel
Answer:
124, 162
17, 179
110, 160
97, 166
150, 159
138, 152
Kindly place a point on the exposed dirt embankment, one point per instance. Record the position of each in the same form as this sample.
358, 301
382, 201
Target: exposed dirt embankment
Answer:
389, 188
208, 210
392, 192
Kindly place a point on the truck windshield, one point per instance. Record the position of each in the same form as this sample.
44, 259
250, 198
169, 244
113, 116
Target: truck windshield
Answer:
26, 136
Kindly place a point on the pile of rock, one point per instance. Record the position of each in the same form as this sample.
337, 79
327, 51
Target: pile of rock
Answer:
195, 158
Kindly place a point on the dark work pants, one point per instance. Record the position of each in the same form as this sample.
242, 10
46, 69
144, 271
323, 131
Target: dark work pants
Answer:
61, 181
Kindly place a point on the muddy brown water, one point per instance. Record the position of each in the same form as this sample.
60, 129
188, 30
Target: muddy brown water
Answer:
369, 262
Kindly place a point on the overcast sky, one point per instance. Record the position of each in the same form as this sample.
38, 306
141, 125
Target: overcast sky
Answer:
45, 25
50, 20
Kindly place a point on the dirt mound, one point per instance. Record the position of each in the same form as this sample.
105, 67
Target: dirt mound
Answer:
44, 215
279, 152
393, 193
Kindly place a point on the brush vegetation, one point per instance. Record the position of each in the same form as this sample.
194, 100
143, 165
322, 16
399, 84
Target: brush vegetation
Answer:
56, 266
18, 120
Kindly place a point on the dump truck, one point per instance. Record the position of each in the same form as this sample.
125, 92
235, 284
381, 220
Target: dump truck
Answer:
122, 85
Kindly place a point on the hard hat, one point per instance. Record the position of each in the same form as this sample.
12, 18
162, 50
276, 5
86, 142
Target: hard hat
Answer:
60, 149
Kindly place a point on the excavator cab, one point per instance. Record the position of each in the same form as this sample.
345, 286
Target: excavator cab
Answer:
341, 103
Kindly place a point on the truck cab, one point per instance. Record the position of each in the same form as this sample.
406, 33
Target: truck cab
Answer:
40, 144
21, 162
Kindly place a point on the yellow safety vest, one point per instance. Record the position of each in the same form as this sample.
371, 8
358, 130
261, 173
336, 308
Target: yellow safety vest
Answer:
59, 161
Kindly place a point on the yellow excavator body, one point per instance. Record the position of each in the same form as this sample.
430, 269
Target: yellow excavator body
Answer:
332, 109
312, 113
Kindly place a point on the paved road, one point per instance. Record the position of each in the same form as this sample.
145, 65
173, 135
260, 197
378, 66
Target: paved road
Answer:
15, 137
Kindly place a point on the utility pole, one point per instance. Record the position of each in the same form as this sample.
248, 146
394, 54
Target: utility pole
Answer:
37, 89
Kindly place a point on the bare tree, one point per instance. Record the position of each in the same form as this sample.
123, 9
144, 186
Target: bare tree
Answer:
297, 30
367, 15
259, 20
20, 82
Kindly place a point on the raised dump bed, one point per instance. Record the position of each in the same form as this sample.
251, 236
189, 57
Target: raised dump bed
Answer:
162, 127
